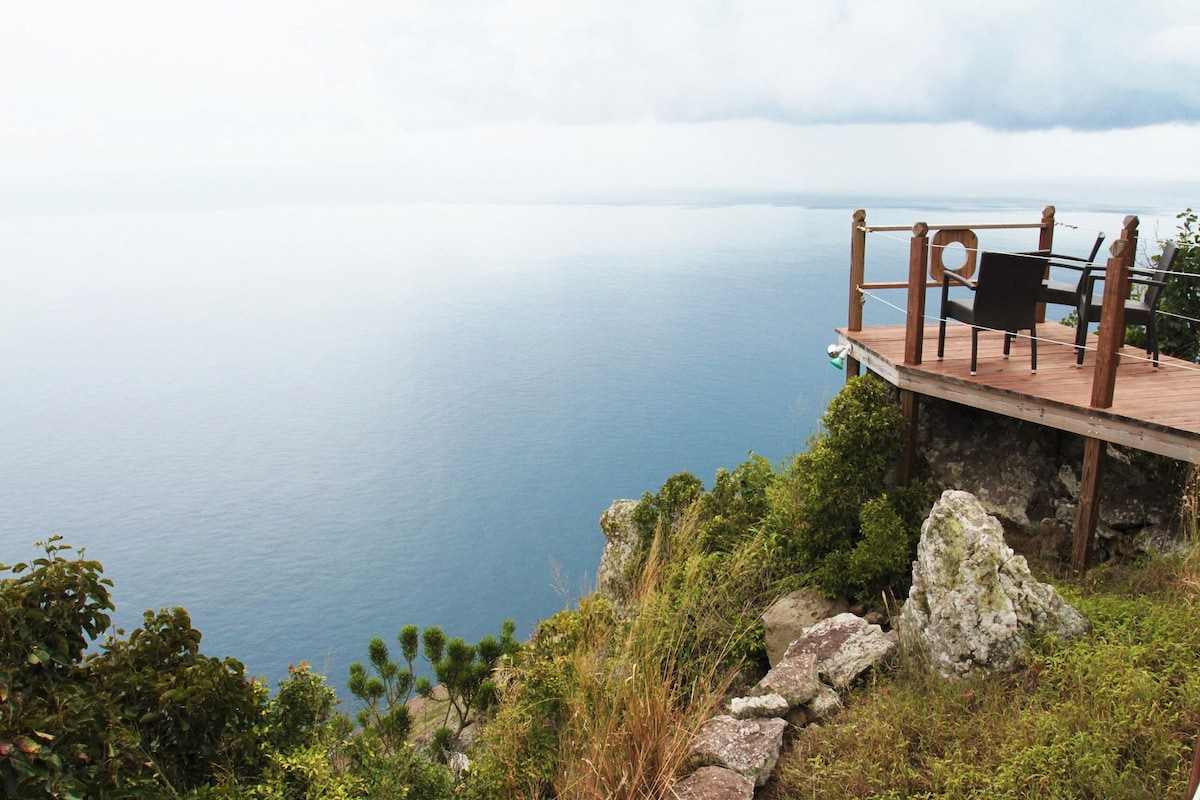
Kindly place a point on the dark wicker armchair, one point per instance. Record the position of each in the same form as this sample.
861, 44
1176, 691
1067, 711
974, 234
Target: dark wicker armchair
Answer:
1005, 298
1139, 309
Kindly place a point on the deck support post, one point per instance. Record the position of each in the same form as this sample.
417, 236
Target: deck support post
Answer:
858, 272
1112, 334
918, 259
910, 407
1046, 242
1088, 510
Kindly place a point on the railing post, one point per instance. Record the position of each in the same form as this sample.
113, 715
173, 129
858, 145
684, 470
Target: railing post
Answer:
1046, 242
1112, 318
914, 329
1112, 334
858, 273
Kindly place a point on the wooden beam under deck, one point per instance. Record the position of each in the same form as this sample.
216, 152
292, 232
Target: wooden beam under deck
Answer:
1153, 410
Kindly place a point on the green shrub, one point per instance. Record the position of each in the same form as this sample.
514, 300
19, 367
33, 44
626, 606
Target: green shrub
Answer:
1178, 328
145, 715
837, 495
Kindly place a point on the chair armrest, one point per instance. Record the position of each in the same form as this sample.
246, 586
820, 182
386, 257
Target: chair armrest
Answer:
948, 275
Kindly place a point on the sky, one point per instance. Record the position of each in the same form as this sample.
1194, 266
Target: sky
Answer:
495, 100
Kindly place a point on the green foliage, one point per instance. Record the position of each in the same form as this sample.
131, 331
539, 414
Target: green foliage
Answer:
50, 720
462, 669
148, 714
520, 750
1178, 329
667, 507
297, 716
736, 505
194, 713
833, 498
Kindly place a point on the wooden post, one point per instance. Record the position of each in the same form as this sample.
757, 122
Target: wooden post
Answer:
1088, 511
1112, 318
910, 408
1112, 334
1045, 242
914, 329
858, 271
1194, 782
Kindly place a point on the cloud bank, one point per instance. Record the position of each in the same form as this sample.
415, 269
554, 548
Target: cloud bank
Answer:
550, 86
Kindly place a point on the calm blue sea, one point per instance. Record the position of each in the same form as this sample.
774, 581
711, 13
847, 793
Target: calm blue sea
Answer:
311, 426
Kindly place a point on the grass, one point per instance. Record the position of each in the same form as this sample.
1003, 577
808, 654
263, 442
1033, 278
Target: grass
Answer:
1112, 715
599, 710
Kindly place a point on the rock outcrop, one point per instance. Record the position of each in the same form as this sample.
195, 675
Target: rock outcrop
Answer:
613, 579
1034, 489
974, 606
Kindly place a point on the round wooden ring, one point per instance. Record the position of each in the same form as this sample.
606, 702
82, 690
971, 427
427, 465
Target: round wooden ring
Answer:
966, 238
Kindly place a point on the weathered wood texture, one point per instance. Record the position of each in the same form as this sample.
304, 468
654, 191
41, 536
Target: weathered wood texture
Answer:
1153, 410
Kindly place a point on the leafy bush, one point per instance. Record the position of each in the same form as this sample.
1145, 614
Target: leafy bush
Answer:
1178, 328
837, 495
142, 715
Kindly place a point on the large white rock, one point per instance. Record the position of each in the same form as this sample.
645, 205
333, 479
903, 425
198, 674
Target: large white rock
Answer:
974, 606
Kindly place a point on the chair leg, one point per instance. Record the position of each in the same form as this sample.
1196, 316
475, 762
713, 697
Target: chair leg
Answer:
1152, 340
974, 347
942, 337
1008, 337
1080, 342
1033, 349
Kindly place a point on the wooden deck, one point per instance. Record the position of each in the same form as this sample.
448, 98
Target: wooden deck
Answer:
1153, 410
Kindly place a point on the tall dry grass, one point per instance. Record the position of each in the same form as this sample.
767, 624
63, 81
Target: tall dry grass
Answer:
641, 698
615, 707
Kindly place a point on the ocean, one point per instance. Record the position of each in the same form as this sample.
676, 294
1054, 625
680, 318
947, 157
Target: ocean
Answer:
311, 426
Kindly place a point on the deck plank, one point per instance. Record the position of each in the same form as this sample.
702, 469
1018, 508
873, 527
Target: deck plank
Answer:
1154, 410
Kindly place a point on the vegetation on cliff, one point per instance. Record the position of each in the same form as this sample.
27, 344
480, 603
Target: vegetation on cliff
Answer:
594, 708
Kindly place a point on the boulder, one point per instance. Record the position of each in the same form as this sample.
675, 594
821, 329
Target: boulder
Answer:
843, 647
715, 783
613, 579
794, 678
792, 614
974, 606
747, 746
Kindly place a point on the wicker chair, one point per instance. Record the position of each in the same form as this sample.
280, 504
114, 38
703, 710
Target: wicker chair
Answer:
1005, 298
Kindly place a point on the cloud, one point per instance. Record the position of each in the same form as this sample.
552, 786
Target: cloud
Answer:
150, 84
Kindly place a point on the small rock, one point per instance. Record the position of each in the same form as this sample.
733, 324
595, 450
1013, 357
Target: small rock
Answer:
844, 647
827, 703
748, 746
791, 615
795, 678
715, 783
765, 705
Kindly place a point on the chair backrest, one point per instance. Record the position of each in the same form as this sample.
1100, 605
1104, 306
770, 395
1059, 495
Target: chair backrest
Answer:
1166, 262
1096, 247
1006, 293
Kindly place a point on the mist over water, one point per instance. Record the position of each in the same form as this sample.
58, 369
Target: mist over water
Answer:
311, 426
